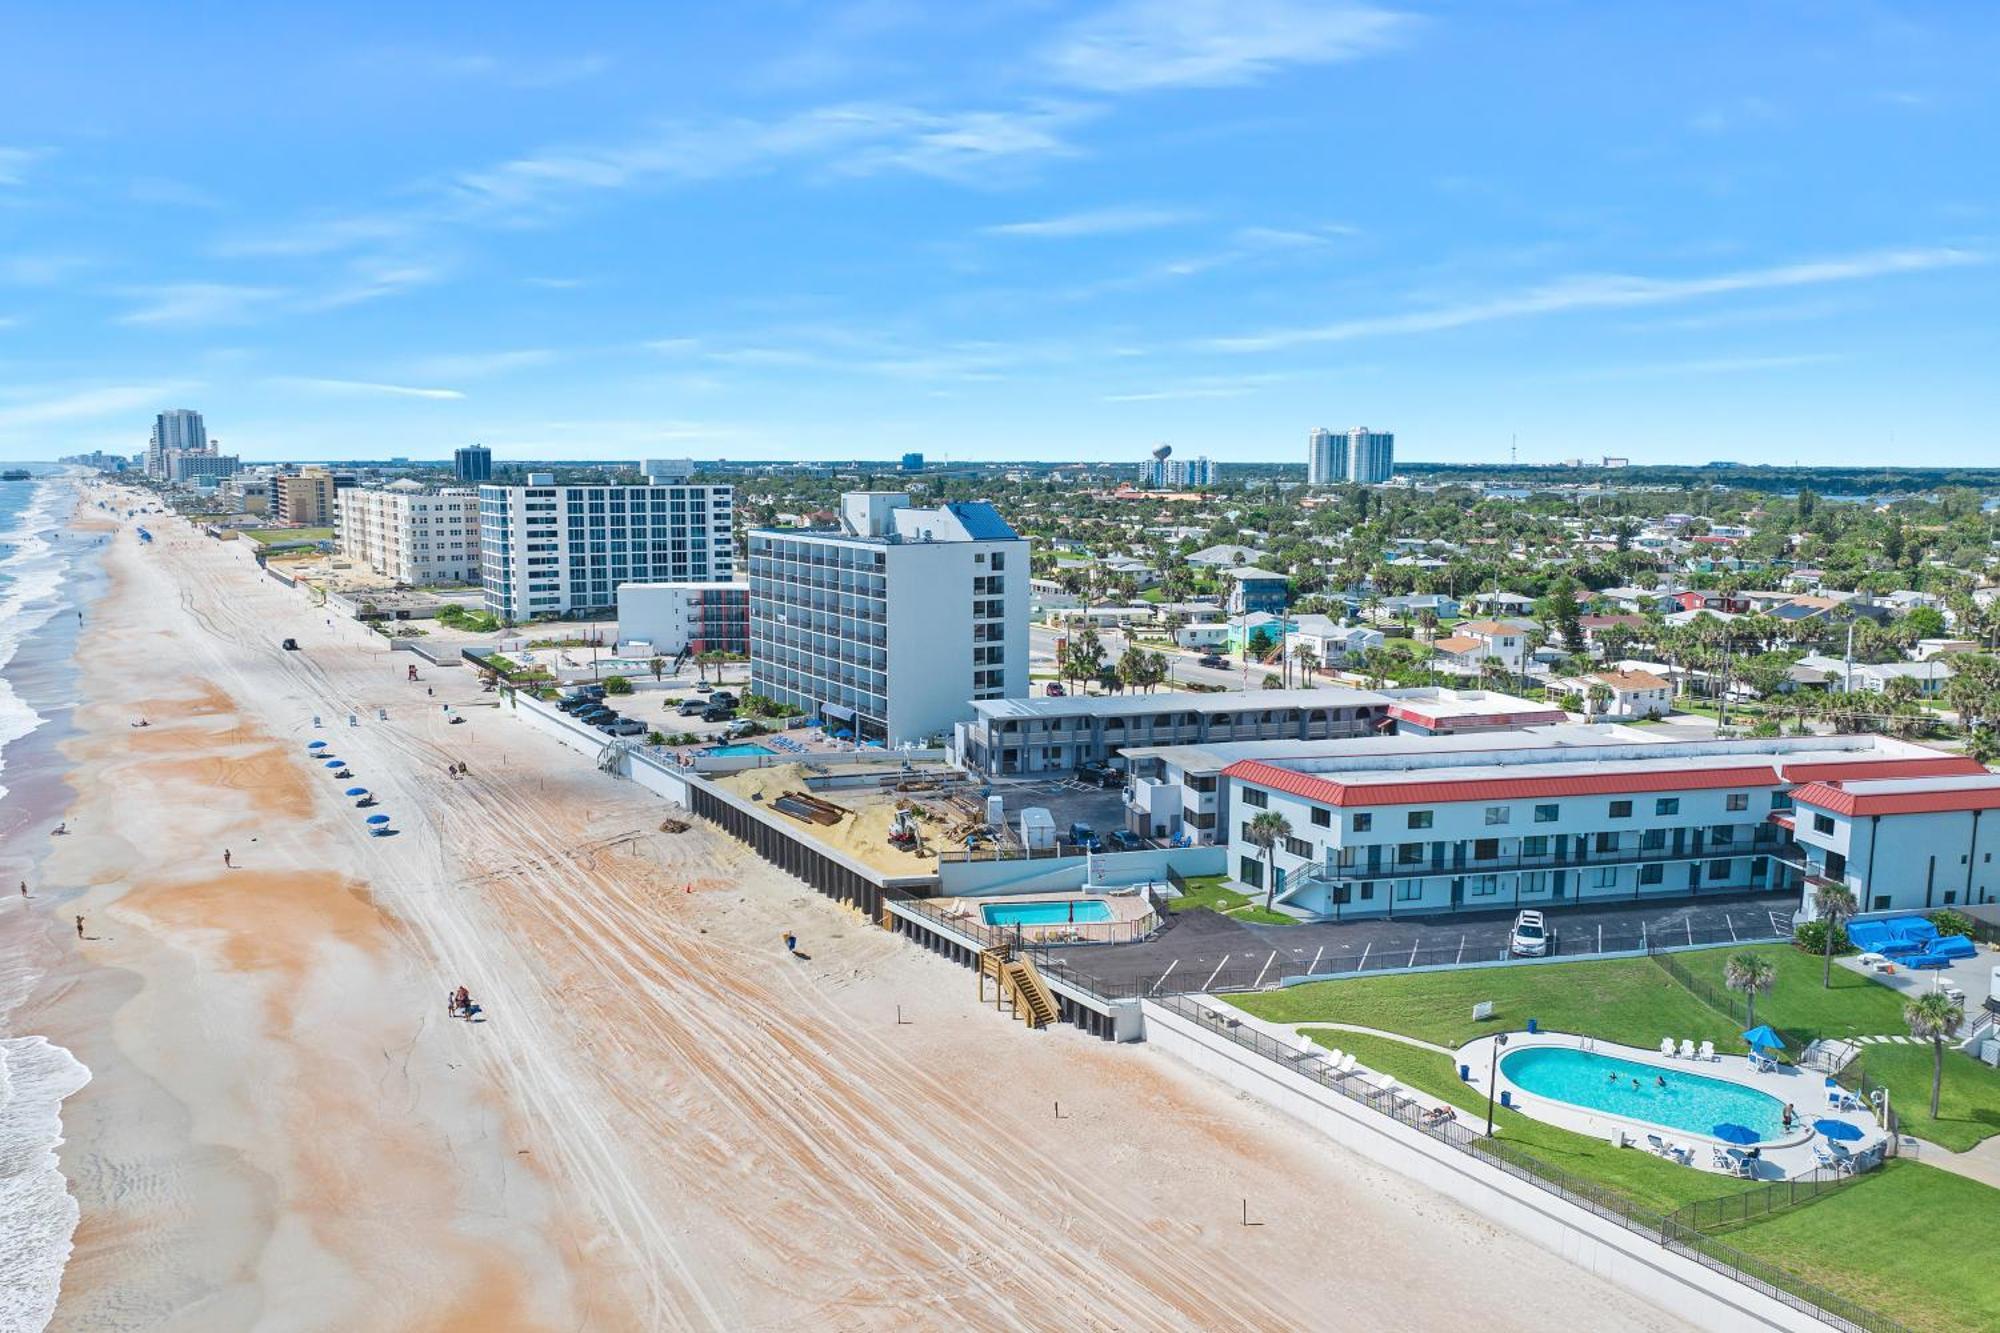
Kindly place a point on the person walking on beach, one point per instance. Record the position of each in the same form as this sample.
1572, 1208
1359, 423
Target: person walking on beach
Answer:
463, 999
24, 890
791, 942
225, 859
79, 927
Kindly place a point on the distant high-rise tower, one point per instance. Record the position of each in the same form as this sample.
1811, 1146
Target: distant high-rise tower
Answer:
1371, 457
1326, 458
474, 463
179, 429
913, 462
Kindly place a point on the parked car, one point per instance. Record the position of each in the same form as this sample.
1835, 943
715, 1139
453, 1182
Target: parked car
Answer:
590, 691
1215, 660
1531, 938
592, 712
692, 707
1124, 840
1082, 835
1055, 690
722, 699
742, 726
718, 714
1099, 773
627, 726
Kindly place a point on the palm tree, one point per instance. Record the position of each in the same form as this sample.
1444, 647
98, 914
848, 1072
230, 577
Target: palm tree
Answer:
1307, 660
1934, 1016
1265, 832
658, 664
1752, 974
1598, 698
1832, 904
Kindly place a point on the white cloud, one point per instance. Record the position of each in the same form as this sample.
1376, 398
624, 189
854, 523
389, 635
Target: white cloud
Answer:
477, 365
1717, 365
371, 278
365, 387
87, 404
39, 270
14, 163
1139, 45
1608, 292
195, 304
1091, 222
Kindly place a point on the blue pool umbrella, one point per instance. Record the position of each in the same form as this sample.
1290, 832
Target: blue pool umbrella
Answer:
357, 791
1730, 1132
1763, 1039
378, 819
1838, 1131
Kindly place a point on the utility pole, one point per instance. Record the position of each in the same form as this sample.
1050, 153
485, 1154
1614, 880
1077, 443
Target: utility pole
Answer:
1847, 676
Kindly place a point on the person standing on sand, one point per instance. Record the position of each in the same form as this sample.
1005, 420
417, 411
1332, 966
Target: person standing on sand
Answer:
24, 890
79, 927
225, 859
791, 942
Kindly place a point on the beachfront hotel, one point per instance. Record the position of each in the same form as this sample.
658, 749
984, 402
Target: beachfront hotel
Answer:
408, 533
890, 623
1901, 844
669, 618
547, 550
1435, 829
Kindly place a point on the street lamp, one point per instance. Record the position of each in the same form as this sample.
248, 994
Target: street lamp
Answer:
1492, 1071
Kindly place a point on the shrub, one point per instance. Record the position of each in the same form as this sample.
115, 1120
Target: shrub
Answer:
617, 685
1811, 937
1949, 922
655, 738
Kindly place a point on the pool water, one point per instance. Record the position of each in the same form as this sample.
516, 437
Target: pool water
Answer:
740, 748
1689, 1102
1057, 913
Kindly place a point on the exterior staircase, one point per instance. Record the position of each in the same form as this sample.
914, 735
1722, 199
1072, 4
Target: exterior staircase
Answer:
1033, 1002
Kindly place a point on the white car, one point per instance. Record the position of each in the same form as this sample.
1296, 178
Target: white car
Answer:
1530, 938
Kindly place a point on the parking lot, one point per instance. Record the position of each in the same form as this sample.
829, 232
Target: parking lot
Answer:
1066, 801
1203, 951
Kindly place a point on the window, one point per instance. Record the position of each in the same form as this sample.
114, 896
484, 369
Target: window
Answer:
1621, 809
1547, 814
1535, 845
1498, 814
1651, 874
1822, 823
1322, 816
1251, 872
1737, 800
1409, 854
1299, 847
1408, 890
1607, 842
1420, 818
1722, 835
1604, 878
1781, 800
1485, 849
1362, 823
1719, 869
1482, 886
1256, 796
1667, 805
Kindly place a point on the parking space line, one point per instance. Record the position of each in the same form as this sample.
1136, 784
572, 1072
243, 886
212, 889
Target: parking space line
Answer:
1363, 964
1730, 921
1316, 957
1262, 970
1690, 928
1164, 975
1461, 950
1414, 946
1213, 975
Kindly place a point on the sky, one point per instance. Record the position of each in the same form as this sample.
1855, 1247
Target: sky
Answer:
1761, 230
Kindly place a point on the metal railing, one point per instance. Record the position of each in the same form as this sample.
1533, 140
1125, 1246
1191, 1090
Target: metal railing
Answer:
1718, 997
1671, 1231
1028, 939
1711, 1216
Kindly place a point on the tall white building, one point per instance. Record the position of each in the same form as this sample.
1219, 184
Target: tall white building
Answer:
549, 550
176, 429
1166, 474
412, 535
183, 466
894, 623
1361, 456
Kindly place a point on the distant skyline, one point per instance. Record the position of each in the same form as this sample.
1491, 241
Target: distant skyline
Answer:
1021, 230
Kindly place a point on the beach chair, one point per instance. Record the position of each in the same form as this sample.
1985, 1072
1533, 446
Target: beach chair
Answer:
1708, 1051
1347, 1063
1824, 1159
1687, 1049
1667, 1047
1719, 1159
1657, 1145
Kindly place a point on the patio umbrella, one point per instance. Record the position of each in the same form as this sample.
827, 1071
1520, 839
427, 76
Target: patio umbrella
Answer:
378, 819
1731, 1132
1838, 1131
1762, 1038
357, 791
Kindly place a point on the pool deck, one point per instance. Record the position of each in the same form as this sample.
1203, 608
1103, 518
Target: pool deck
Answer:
1780, 1159
1125, 909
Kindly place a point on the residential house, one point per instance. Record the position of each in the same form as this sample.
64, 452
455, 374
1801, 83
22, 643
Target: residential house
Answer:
1257, 590
1634, 694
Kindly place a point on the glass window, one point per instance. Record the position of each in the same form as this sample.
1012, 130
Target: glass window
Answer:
1498, 814
1621, 809
1256, 796
1483, 886
1547, 814
1408, 890
1667, 805
1738, 800
1651, 874
1420, 819
1409, 853
1322, 816
1605, 877
1822, 823
1535, 845
1362, 823
1781, 800
1719, 869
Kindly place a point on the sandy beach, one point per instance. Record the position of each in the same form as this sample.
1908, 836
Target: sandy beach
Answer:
661, 1120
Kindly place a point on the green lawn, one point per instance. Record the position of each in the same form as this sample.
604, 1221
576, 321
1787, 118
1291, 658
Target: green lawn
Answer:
1968, 1109
269, 536
1210, 892
1906, 1240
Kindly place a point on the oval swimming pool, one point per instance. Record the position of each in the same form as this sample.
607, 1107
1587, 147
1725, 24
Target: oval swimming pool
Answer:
1689, 1102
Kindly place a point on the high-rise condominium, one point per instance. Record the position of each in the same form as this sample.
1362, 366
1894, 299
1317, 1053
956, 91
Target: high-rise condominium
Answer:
1360, 455
474, 463
178, 429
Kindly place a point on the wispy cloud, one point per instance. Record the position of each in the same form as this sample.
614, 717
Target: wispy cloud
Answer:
87, 404
14, 163
479, 365
364, 387
198, 304
480, 66
20, 270
1700, 366
1211, 386
1138, 45
371, 278
1091, 222
1608, 292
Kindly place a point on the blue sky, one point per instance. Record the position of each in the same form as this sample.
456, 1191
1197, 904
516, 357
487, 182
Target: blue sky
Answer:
1761, 231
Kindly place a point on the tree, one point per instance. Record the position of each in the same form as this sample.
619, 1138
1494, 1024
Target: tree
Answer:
1752, 974
1932, 1017
1082, 656
1598, 697
1265, 832
617, 685
1832, 904
658, 664
1273, 681
1306, 659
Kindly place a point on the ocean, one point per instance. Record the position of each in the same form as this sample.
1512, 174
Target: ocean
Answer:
46, 573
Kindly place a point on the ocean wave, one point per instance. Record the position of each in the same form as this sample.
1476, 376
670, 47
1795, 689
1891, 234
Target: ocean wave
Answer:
37, 1214
32, 578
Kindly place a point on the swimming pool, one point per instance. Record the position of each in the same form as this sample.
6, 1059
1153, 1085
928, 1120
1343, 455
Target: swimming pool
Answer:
740, 748
1691, 1103
1060, 912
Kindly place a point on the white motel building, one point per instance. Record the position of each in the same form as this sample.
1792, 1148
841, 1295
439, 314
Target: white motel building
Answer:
1902, 844
1457, 831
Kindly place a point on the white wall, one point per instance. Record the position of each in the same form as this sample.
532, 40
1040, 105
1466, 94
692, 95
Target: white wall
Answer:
1044, 874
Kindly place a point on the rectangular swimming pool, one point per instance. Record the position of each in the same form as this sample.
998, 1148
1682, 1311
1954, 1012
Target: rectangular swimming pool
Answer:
740, 748
1061, 912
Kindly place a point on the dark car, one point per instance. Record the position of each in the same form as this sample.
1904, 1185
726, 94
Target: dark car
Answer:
722, 699
1124, 840
1082, 835
571, 703
590, 691
592, 712
1215, 660
718, 714
1099, 774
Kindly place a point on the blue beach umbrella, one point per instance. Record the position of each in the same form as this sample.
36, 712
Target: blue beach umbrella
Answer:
1838, 1131
336, 763
1730, 1132
378, 819
357, 791
315, 745
1763, 1039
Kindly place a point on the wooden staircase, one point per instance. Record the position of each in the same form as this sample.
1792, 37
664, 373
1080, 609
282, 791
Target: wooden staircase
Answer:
1033, 1002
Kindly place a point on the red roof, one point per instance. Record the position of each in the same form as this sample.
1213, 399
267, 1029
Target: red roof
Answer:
1614, 781
1831, 796
1532, 716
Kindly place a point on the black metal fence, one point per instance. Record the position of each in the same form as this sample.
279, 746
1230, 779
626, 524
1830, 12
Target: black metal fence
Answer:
1709, 1217
1681, 1237
1030, 939
1711, 992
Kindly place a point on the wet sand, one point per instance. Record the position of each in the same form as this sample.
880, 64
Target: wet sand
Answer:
663, 1121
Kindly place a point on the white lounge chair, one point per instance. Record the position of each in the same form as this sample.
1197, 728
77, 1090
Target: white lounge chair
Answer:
1708, 1051
1825, 1159
1658, 1145
1347, 1063
1687, 1049
1667, 1047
